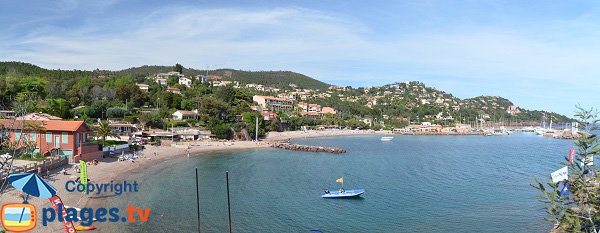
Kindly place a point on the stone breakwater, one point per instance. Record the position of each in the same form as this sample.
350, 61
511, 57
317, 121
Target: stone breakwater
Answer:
297, 147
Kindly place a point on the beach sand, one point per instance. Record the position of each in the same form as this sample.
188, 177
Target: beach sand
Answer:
109, 169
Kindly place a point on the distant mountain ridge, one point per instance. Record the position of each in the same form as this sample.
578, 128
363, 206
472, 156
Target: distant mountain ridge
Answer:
269, 78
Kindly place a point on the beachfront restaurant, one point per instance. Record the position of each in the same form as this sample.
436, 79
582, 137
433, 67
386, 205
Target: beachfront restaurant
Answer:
157, 135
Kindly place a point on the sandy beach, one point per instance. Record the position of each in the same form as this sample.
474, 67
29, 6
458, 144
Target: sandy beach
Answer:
109, 169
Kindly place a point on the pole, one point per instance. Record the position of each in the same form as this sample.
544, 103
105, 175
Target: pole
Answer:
198, 200
228, 200
256, 132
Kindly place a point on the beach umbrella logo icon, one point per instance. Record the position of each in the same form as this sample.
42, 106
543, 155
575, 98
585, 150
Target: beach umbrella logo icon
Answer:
20, 217
32, 184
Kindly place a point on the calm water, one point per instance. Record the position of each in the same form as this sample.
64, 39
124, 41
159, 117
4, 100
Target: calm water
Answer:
413, 184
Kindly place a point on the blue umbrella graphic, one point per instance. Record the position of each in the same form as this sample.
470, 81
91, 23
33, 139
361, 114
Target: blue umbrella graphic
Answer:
33, 185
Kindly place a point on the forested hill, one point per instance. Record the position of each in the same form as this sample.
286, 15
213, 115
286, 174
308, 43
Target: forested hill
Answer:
269, 78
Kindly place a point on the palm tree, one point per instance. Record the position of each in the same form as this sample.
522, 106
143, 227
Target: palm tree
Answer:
103, 130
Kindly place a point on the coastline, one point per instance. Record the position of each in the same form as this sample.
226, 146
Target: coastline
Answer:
109, 169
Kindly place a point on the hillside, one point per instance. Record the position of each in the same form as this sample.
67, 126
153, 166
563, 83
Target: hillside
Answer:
267, 78
408, 99
273, 78
424, 100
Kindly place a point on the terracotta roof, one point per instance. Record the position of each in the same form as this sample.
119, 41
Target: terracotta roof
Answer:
71, 126
51, 125
309, 113
10, 123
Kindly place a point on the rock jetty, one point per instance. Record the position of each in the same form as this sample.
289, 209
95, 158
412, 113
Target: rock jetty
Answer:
297, 147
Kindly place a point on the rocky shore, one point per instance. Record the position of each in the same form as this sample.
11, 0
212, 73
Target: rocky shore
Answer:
297, 147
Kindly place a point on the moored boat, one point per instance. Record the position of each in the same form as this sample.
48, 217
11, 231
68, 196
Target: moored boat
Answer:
387, 138
342, 193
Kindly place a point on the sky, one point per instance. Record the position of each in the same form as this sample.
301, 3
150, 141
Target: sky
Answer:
542, 55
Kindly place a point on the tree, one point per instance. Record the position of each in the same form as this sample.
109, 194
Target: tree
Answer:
188, 104
221, 130
275, 125
226, 94
152, 120
116, 112
103, 130
59, 107
98, 109
249, 119
581, 213
178, 68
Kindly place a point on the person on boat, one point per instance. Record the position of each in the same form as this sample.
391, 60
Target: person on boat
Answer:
326, 191
341, 190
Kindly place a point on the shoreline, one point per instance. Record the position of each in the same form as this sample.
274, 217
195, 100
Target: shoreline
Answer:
109, 169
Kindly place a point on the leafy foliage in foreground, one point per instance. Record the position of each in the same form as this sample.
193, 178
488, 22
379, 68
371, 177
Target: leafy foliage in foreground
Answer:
580, 211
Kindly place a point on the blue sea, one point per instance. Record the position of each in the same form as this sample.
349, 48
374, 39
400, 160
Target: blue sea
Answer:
413, 184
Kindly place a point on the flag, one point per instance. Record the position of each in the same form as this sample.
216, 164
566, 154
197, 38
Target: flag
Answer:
560, 174
565, 190
571, 155
83, 174
57, 202
340, 180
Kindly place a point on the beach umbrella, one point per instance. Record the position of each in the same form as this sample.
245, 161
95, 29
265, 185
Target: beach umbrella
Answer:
32, 184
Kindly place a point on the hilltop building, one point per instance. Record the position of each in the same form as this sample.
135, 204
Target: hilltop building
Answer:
273, 103
143, 87
185, 81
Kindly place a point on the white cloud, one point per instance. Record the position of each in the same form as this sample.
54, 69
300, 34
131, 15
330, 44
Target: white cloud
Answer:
328, 47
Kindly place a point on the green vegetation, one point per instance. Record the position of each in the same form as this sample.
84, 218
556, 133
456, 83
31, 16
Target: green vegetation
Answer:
281, 79
225, 110
580, 211
103, 130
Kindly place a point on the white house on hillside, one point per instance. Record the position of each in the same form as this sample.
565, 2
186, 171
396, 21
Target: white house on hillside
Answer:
183, 114
185, 81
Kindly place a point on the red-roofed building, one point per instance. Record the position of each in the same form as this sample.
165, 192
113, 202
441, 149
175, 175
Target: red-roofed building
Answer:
53, 137
174, 90
268, 115
328, 110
